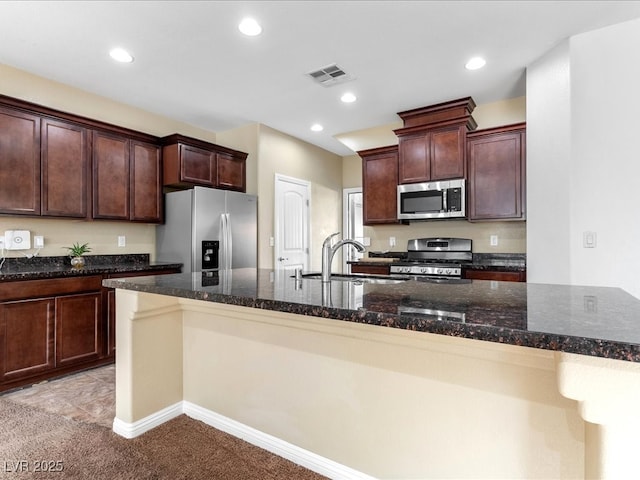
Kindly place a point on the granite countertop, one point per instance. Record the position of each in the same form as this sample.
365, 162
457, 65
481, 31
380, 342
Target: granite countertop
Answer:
36, 268
594, 321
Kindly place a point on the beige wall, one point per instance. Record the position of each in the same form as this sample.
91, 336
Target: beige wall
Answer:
286, 155
511, 235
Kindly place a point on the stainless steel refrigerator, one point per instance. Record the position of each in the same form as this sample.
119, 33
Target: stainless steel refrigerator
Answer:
209, 229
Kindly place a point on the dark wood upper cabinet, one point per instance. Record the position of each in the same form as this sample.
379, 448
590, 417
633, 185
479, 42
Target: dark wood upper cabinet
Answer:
379, 185
126, 179
65, 166
145, 182
187, 165
56, 164
188, 162
19, 162
232, 173
110, 166
431, 145
497, 167
434, 154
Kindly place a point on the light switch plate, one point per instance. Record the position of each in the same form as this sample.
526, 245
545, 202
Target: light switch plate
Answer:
38, 241
589, 239
122, 241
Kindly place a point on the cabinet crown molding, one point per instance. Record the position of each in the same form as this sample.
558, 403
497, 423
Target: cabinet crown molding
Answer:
453, 111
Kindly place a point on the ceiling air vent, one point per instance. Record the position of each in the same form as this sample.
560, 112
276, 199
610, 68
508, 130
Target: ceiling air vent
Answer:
330, 75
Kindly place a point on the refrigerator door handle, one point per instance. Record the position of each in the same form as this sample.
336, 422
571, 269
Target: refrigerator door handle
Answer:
223, 242
225, 237
229, 240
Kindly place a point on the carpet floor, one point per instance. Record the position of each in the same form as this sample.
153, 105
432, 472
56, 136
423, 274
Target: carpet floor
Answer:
36, 442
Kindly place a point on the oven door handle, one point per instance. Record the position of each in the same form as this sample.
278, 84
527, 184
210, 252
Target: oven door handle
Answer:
444, 199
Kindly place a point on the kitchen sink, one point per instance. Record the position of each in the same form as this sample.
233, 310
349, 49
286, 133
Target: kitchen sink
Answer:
363, 278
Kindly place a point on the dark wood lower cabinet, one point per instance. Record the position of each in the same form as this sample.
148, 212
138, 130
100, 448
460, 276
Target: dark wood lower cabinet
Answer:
382, 269
79, 328
56, 326
503, 276
26, 338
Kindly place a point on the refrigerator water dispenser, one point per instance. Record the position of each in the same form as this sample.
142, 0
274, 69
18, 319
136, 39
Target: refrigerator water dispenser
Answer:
210, 254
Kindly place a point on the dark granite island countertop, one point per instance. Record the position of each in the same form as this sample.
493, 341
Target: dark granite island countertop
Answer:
593, 321
37, 268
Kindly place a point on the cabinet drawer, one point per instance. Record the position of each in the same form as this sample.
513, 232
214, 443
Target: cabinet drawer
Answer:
496, 275
371, 269
48, 287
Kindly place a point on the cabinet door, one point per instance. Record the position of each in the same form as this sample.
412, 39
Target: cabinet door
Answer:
447, 147
145, 183
65, 163
231, 172
379, 187
198, 166
413, 161
78, 328
19, 163
497, 176
26, 338
110, 176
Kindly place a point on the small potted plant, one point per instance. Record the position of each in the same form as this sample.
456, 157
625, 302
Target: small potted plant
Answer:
75, 252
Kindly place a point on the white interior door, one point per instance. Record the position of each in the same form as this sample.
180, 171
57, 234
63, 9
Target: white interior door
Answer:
352, 224
291, 240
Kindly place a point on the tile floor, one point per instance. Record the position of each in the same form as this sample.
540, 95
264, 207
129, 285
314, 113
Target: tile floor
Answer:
87, 396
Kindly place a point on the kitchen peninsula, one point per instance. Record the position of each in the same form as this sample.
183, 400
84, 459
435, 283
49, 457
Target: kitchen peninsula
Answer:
387, 378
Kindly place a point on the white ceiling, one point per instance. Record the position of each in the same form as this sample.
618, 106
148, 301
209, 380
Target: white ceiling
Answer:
192, 64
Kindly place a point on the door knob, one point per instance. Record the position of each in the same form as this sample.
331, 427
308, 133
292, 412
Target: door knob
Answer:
282, 259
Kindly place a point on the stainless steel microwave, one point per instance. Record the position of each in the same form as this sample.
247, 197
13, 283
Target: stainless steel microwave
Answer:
432, 200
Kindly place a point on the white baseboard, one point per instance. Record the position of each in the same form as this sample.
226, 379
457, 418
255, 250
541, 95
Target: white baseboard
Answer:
283, 449
132, 430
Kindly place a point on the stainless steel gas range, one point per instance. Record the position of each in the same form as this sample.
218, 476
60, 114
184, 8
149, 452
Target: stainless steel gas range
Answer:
435, 258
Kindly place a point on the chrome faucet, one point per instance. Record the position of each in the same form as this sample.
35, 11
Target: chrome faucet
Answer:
329, 250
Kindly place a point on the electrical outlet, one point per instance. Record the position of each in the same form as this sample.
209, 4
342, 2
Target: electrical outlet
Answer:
493, 240
392, 241
38, 241
122, 241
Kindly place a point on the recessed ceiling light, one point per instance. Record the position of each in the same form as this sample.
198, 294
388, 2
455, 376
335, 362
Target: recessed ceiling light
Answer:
348, 97
475, 63
250, 27
316, 127
121, 55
